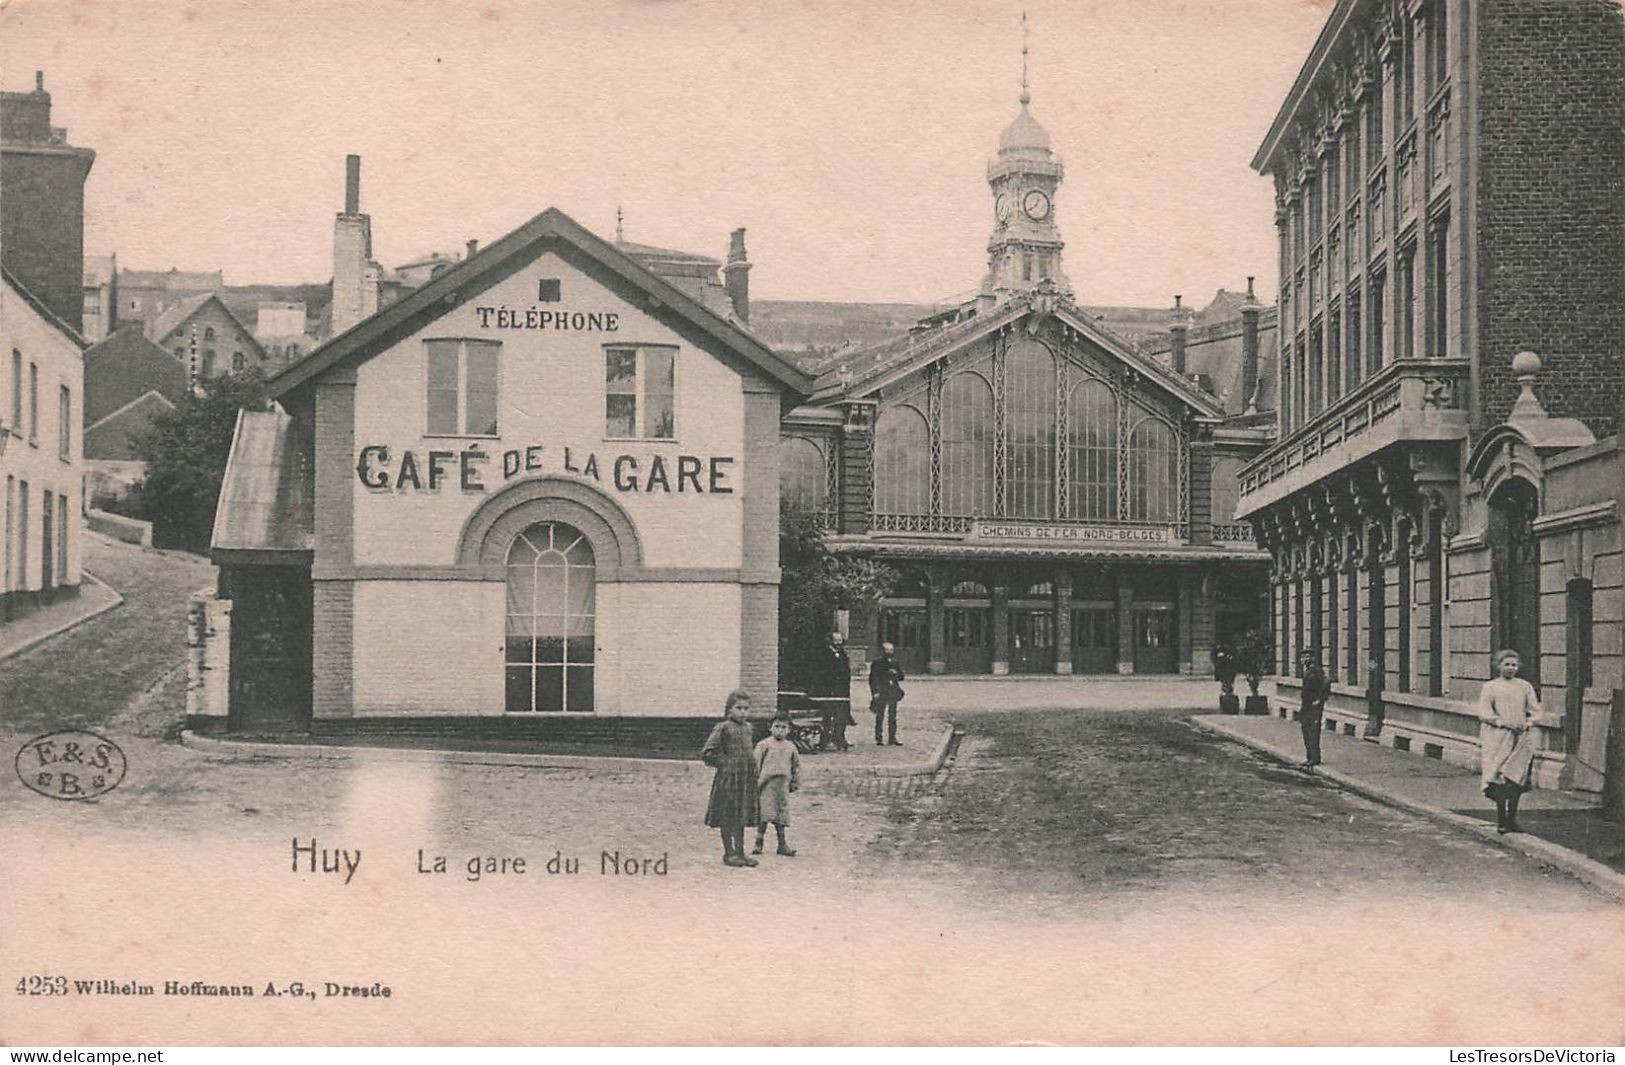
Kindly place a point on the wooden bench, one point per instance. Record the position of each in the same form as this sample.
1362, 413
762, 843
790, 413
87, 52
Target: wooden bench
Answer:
806, 713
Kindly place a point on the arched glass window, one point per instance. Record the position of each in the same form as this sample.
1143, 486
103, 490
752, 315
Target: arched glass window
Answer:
1041, 590
967, 445
208, 333
551, 592
1153, 486
801, 474
1030, 382
1092, 474
902, 462
969, 590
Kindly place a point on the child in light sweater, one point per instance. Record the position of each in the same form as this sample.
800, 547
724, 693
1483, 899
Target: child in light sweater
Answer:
778, 773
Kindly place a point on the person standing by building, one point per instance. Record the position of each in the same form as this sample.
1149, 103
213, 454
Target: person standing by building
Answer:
1509, 710
1224, 669
830, 684
885, 691
1312, 704
1375, 708
733, 802
778, 773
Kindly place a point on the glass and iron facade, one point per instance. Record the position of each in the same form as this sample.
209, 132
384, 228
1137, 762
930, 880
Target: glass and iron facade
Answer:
1044, 492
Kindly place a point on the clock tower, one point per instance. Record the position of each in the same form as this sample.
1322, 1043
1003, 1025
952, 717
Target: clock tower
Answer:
1026, 245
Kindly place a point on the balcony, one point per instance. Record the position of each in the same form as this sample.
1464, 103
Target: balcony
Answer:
1409, 400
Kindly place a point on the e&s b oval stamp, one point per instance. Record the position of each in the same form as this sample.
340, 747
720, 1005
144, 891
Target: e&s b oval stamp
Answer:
71, 765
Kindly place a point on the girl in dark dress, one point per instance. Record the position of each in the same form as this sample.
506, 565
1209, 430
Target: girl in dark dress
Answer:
733, 802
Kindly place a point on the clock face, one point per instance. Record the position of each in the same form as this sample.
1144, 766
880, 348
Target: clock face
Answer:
1003, 205
1036, 204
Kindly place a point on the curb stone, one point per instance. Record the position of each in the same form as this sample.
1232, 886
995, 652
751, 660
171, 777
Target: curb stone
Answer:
330, 752
1587, 870
71, 623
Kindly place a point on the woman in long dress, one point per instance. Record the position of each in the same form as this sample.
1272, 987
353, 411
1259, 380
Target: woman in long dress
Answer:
733, 805
1509, 711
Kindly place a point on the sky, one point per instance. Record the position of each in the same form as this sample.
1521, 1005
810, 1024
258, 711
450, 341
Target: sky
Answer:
849, 139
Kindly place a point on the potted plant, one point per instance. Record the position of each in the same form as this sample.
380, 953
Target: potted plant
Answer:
1254, 654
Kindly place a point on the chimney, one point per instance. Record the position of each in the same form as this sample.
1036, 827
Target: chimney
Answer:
473, 246
355, 275
352, 184
1177, 330
1249, 351
736, 276
42, 211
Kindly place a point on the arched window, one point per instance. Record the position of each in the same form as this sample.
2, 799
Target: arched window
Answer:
968, 590
208, 333
552, 581
208, 362
238, 363
1092, 475
1030, 385
967, 445
902, 462
1515, 574
801, 474
1153, 486
1040, 590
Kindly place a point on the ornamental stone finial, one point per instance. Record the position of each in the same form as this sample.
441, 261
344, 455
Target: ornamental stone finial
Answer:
1526, 367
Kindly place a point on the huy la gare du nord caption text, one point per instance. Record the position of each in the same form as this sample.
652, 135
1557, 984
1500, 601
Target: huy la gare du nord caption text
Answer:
309, 857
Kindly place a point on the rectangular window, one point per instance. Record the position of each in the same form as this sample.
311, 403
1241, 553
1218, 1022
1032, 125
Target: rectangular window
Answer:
1405, 292
640, 392
1316, 372
1334, 357
64, 424
11, 531
1352, 352
1407, 74
463, 381
22, 536
1379, 323
16, 392
1438, 298
33, 403
1374, 143
61, 539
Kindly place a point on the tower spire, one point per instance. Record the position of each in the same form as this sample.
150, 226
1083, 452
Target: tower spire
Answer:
1026, 97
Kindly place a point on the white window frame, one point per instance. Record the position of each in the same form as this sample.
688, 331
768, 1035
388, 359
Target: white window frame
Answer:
462, 388
640, 389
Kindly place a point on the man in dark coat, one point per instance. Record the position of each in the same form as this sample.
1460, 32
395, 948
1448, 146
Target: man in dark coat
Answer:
1224, 669
1312, 704
885, 689
830, 682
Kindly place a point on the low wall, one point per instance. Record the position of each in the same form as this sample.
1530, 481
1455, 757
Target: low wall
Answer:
208, 657
130, 530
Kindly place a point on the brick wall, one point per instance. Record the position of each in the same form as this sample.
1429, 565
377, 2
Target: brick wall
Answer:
42, 226
1551, 235
759, 549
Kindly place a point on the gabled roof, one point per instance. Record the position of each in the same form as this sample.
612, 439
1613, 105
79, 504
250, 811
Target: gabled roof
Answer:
176, 316
551, 230
171, 280
42, 310
125, 366
183, 311
874, 367
267, 494
114, 436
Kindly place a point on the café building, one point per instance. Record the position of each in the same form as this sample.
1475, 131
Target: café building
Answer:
536, 496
